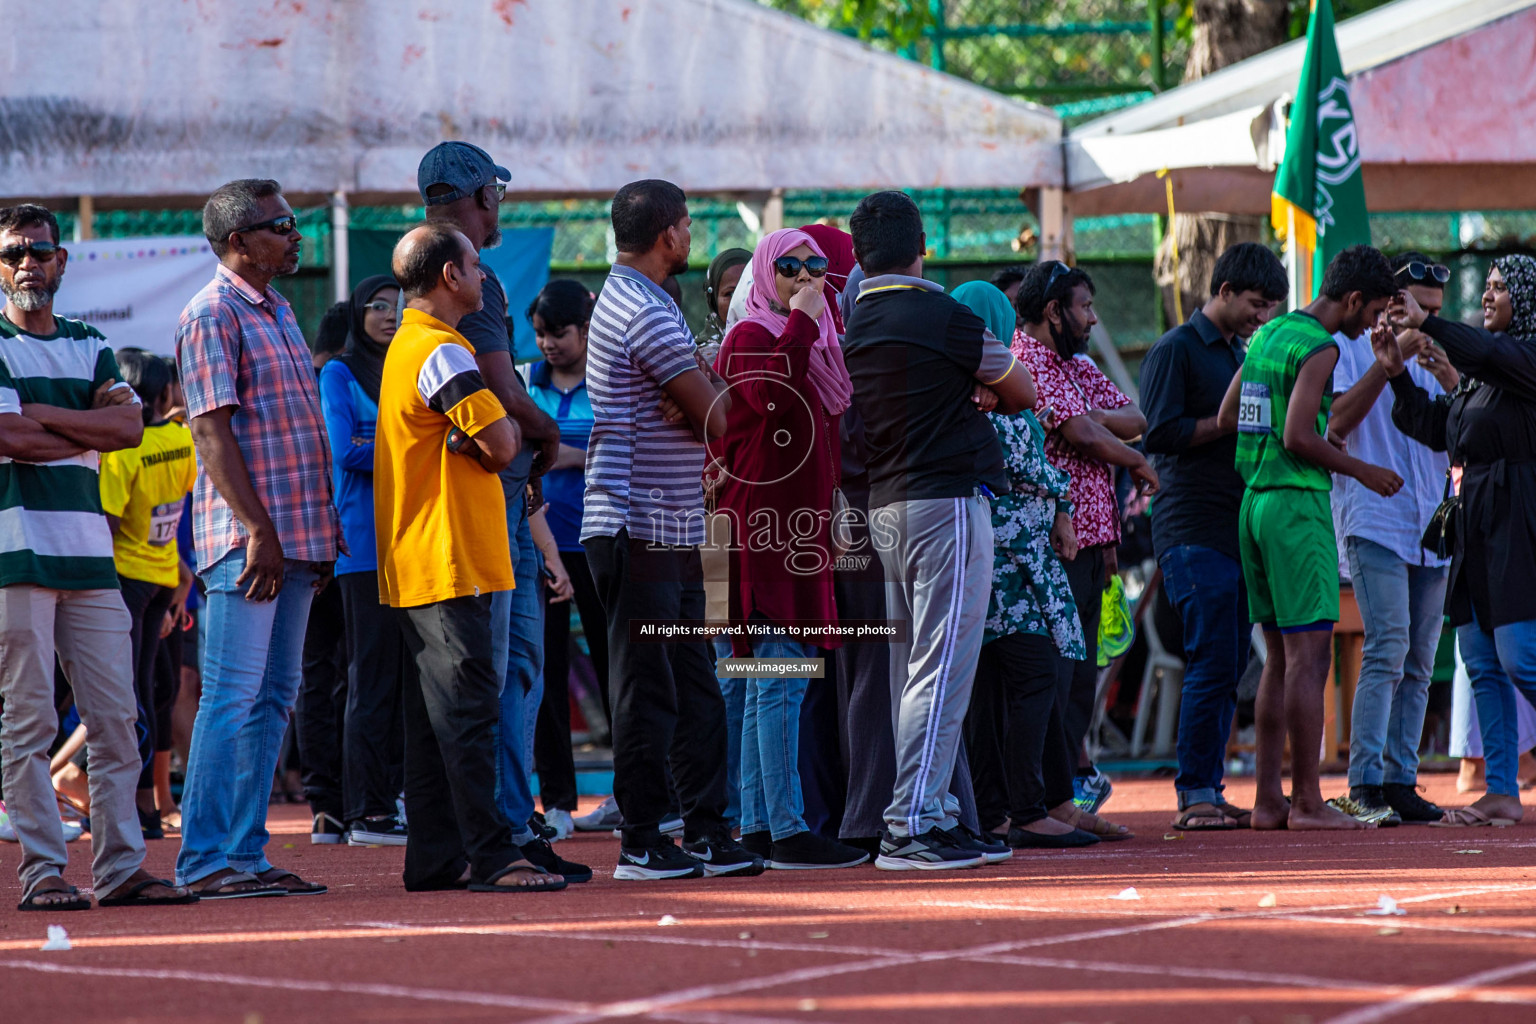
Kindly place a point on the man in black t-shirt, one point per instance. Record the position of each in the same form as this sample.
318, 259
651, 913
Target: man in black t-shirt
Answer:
924, 367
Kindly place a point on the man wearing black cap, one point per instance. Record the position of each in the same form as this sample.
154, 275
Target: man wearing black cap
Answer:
461, 184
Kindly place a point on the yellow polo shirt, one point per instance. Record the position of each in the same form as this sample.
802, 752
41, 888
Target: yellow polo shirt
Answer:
441, 518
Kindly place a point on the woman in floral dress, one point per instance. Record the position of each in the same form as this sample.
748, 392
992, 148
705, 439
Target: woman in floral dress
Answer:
1015, 732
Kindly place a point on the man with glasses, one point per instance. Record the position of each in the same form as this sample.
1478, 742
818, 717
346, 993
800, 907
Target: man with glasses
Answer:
1089, 423
266, 530
1399, 586
462, 186
61, 403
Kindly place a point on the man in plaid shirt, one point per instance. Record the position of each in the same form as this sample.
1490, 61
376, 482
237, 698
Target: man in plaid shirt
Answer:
266, 532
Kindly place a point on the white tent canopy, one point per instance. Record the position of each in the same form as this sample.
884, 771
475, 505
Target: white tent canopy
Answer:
1444, 97
576, 97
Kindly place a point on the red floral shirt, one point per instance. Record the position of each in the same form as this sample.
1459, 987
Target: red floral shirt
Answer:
1068, 388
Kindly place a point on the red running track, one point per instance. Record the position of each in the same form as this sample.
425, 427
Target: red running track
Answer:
1040, 938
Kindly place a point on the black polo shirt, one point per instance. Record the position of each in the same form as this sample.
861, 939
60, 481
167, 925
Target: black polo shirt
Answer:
915, 356
1183, 379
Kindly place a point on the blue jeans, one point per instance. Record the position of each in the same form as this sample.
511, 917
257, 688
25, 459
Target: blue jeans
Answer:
1206, 588
517, 655
1500, 664
1403, 608
734, 690
252, 664
771, 799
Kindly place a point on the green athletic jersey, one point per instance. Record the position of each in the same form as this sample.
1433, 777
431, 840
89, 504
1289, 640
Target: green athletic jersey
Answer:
1269, 376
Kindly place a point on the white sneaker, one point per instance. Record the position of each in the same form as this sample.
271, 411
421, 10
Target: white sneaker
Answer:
605, 817
561, 822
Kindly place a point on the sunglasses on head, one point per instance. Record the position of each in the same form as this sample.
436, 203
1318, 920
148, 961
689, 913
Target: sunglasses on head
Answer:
1058, 270
43, 252
1424, 271
790, 266
284, 225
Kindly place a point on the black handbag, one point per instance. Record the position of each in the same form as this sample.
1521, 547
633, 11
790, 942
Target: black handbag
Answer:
1440, 535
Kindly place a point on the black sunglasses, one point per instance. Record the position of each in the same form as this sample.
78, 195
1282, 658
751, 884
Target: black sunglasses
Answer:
1419, 271
43, 252
284, 225
789, 266
1058, 271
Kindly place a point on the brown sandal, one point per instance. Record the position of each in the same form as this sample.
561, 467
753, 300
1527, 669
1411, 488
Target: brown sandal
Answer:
1096, 826
290, 884
1204, 817
230, 884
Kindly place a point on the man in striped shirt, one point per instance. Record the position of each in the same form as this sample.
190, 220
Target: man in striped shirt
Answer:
61, 403
266, 531
642, 525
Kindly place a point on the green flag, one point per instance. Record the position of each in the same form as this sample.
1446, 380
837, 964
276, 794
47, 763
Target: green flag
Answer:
1319, 184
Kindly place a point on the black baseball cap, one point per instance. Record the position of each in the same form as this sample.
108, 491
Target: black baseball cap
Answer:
461, 166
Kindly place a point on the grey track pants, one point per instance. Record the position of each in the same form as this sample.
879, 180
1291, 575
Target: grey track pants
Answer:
938, 570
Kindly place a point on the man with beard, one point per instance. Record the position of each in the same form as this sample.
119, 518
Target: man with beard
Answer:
1088, 422
62, 402
266, 530
1194, 520
1279, 405
462, 186
642, 525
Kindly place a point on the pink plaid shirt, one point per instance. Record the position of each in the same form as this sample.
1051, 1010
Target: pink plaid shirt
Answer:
237, 346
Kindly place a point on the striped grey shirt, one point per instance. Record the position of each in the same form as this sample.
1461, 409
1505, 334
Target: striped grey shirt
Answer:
642, 472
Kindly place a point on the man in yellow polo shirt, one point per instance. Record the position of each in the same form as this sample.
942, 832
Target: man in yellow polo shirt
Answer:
440, 441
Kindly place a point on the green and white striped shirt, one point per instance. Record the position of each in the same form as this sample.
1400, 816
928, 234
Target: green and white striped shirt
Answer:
52, 530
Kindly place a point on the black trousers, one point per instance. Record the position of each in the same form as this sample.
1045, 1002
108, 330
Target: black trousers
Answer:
452, 711
147, 604
552, 757
168, 685
1020, 761
661, 691
373, 745
1085, 575
322, 705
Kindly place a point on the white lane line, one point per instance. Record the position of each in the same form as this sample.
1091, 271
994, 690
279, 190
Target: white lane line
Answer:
1207, 973
1394, 922
1432, 994
662, 1002
431, 995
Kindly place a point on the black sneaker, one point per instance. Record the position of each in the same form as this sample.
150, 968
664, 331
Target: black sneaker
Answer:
659, 860
539, 852
869, 844
759, 844
385, 830
541, 828
150, 824
721, 855
327, 830
807, 851
934, 850
993, 848
1412, 808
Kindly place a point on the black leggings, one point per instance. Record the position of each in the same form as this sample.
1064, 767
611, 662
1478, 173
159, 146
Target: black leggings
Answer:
1021, 760
147, 604
552, 755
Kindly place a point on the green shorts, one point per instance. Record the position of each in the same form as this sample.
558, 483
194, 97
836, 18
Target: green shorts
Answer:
1290, 559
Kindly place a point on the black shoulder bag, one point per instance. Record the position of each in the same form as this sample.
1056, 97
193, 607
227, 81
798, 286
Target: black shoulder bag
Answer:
1440, 535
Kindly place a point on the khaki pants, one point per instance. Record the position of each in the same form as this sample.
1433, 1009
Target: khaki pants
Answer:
89, 631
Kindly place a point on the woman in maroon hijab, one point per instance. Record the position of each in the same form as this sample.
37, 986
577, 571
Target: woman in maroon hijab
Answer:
779, 460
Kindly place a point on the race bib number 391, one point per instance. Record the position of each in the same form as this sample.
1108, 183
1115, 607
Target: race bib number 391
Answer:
1253, 409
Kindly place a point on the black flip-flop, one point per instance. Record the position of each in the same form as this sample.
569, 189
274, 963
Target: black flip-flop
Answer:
213, 886
275, 876
547, 884
135, 897
77, 900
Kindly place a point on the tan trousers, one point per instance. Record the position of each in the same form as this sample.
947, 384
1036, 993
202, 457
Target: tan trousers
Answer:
89, 631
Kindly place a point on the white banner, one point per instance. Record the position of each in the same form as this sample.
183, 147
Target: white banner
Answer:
134, 289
